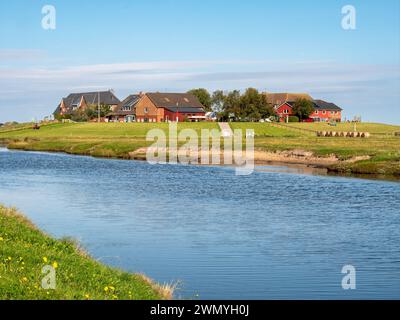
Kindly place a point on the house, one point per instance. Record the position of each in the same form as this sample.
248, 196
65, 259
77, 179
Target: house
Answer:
160, 107
125, 111
277, 99
323, 111
75, 101
326, 111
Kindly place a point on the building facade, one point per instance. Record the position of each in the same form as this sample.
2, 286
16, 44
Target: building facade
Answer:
323, 111
80, 101
165, 107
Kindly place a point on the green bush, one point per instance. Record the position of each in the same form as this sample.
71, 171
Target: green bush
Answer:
294, 119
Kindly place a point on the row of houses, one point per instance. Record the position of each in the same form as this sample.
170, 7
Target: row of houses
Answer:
142, 107
165, 107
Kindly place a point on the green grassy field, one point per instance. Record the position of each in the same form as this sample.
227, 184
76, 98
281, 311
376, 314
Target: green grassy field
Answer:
102, 130
265, 130
24, 250
373, 128
119, 139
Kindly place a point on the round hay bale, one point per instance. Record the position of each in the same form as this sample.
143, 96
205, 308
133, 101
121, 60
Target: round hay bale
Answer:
323, 133
367, 135
319, 133
342, 134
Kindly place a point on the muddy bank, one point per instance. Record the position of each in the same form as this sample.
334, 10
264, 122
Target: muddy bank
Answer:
307, 160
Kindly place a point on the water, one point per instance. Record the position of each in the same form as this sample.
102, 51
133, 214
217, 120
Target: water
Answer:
271, 235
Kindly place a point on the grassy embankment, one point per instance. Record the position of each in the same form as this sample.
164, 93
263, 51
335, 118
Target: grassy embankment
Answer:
24, 250
379, 154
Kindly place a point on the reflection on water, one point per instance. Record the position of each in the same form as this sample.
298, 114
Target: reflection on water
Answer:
270, 235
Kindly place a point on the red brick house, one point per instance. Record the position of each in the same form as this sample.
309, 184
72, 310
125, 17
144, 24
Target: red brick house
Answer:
75, 101
164, 107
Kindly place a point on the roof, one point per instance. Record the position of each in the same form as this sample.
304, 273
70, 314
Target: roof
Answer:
73, 99
129, 101
323, 105
281, 98
182, 102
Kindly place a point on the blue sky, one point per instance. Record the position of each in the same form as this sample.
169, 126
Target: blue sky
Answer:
175, 45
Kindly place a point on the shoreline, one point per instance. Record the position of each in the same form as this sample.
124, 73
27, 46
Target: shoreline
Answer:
301, 161
27, 250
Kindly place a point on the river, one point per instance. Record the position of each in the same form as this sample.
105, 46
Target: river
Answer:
270, 235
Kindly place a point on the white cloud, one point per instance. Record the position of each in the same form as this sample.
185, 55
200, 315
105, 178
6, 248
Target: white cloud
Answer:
341, 83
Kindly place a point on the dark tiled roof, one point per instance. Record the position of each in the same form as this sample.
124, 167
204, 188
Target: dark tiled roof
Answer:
129, 101
73, 99
172, 101
323, 105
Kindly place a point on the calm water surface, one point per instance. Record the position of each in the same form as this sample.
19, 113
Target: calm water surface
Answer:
266, 236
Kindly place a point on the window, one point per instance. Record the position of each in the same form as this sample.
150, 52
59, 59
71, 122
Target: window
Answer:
324, 112
126, 108
332, 112
316, 111
146, 110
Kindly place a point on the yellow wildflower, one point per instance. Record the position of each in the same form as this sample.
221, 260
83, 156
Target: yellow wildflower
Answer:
55, 265
87, 296
1, 239
24, 279
106, 289
45, 259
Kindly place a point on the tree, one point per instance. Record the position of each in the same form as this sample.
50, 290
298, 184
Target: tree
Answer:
203, 96
231, 106
303, 108
217, 101
254, 106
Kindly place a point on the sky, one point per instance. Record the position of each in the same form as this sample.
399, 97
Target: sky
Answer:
177, 45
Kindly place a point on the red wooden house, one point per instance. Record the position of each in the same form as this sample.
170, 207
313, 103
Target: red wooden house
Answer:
323, 111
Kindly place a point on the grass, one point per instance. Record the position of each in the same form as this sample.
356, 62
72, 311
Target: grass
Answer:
265, 130
102, 130
119, 139
373, 128
24, 250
